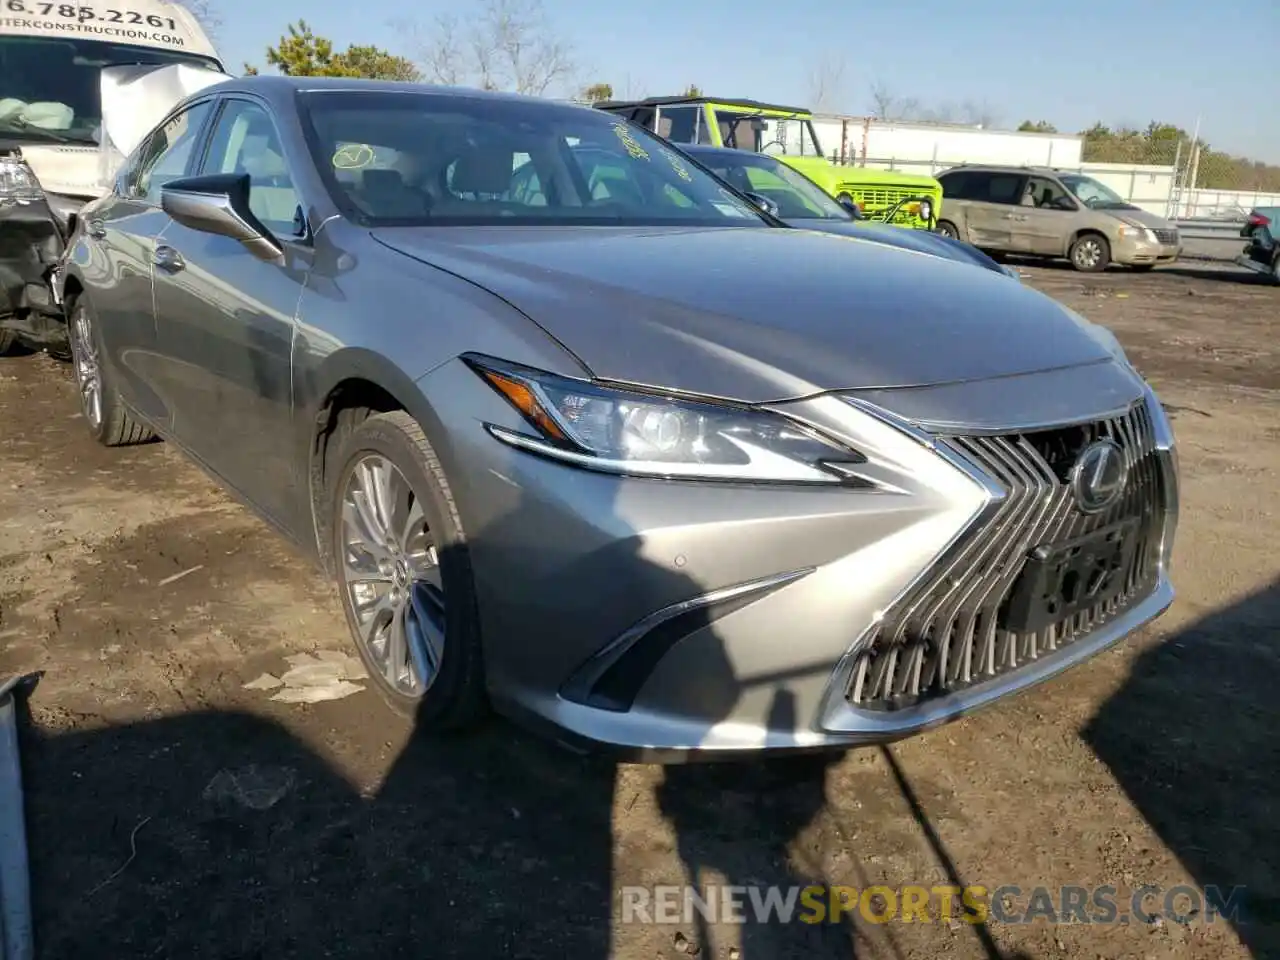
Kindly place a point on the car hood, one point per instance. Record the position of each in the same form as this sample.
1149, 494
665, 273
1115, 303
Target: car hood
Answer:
758, 314
922, 241
1132, 214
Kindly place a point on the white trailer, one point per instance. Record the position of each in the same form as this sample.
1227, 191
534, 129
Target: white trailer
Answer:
933, 147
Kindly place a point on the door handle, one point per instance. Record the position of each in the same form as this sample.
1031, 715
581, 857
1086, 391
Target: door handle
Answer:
167, 258
97, 229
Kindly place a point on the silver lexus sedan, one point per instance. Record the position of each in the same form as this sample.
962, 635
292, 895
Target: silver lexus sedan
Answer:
583, 437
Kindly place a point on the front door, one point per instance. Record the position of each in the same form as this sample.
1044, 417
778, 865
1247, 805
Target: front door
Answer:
116, 255
1044, 219
225, 321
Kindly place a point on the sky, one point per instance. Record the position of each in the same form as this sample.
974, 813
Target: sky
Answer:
1123, 62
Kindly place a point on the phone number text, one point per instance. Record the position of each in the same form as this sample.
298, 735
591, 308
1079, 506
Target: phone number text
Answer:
83, 14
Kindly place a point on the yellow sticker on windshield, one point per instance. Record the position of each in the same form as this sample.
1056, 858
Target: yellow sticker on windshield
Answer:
630, 142
677, 166
353, 156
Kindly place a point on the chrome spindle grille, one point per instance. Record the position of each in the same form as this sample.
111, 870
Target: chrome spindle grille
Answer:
948, 632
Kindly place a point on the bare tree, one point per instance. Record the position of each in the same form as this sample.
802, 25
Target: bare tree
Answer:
886, 105
826, 85
507, 45
979, 113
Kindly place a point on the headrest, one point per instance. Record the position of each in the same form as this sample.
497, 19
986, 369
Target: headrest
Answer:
483, 170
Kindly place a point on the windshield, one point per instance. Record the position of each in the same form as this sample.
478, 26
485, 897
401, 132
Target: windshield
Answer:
1093, 194
424, 159
744, 130
49, 88
797, 197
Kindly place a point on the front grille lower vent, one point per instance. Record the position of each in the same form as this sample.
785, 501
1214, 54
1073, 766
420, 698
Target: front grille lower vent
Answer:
949, 632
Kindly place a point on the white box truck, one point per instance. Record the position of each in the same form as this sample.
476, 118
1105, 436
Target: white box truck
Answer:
80, 84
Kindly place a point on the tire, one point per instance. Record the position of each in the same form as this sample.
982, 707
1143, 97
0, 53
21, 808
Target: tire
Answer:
8, 340
108, 421
1275, 268
453, 695
1091, 253
946, 228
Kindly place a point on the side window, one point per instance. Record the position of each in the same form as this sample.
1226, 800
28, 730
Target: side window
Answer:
677, 124
1048, 194
245, 141
791, 203
525, 185
957, 186
704, 125
165, 155
1001, 188
643, 116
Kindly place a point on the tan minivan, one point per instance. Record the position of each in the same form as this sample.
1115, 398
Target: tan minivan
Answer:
1043, 212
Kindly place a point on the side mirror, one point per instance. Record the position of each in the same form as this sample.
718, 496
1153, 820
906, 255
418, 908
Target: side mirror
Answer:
1063, 203
853, 209
764, 203
219, 204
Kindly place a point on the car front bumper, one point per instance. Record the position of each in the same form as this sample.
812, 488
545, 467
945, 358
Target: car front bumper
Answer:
33, 236
1134, 253
668, 620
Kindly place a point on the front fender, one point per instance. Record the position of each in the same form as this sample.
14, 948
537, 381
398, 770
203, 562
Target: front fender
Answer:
390, 323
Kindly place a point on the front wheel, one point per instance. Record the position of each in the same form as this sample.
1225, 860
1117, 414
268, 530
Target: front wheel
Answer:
1275, 268
108, 420
8, 340
1090, 253
404, 574
948, 229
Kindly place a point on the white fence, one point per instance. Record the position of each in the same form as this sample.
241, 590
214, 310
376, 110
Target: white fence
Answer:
1222, 204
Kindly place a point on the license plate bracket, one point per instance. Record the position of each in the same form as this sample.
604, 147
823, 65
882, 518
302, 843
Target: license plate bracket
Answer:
1061, 579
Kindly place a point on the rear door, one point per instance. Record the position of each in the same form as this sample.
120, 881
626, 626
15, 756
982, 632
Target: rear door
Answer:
990, 208
117, 258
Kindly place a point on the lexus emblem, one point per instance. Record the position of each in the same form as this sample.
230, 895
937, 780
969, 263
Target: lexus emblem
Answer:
1099, 476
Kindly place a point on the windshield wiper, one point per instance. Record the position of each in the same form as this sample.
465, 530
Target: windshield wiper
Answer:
17, 124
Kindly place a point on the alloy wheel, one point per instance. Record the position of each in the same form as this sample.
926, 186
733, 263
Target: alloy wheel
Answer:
88, 368
1088, 253
391, 574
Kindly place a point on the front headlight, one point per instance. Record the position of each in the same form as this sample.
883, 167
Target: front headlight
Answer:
1138, 231
641, 434
18, 181
926, 210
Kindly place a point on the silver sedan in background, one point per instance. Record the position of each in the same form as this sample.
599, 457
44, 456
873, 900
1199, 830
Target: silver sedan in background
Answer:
582, 436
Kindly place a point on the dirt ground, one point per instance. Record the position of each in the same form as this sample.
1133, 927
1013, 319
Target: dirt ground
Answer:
173, 813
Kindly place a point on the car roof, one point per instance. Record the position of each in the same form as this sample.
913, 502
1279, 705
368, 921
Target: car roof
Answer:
709, 150
1004, 168
727, 101
273, 87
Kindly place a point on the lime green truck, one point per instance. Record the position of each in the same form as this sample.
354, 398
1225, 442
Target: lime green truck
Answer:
788, 133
